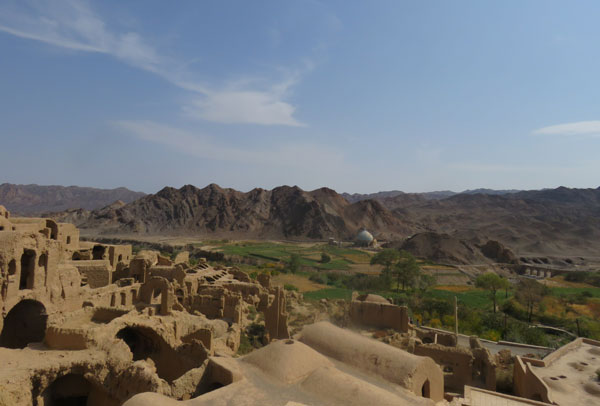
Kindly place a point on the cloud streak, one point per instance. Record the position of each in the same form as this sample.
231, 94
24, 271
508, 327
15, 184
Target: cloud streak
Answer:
71, 24
589, 128
203, 146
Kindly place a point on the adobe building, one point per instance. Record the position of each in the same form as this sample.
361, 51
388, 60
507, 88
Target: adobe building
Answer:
565, 377
323, 365
89, 323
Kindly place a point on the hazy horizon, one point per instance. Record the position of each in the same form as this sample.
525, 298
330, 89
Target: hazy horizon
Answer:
338, 191
358, 97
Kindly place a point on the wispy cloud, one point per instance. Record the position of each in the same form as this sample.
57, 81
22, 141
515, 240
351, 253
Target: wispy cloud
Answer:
237, 105
206, 147
72, 24
589, 128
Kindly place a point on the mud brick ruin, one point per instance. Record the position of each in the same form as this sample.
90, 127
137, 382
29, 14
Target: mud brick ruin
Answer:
93, 323
86, 323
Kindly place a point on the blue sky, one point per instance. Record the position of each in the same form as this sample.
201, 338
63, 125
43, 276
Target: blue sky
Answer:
357, 96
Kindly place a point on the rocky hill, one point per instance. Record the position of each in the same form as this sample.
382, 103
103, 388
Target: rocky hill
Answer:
36, 199
284, 212
446, 249
547, 222
550, 222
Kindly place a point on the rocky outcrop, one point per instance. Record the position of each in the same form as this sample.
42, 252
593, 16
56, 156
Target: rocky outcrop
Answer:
498, 253
284, 212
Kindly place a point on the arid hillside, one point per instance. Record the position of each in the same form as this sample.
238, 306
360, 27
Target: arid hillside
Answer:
36, 199
547, 222
284, 212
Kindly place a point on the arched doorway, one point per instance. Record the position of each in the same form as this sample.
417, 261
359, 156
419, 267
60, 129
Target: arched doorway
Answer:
27, 269
24, 324
426, 389
68, 390
73, 389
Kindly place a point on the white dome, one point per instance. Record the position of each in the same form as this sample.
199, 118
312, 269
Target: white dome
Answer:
364, 236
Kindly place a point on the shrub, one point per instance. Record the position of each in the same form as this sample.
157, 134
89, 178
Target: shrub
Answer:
293, 264
325, 258
436, 323
492, 335
318, 278
448, 321
289, 286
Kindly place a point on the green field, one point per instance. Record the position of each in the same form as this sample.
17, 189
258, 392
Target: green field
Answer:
595, 292
341, 258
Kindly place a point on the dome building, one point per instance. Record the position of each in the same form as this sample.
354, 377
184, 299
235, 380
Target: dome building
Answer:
364, 238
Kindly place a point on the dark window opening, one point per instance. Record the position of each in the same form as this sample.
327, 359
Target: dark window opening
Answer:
98, 252
43, 264
156, 296
425, 389
27, 269
180, 295
53, 229
68, 239
12, 267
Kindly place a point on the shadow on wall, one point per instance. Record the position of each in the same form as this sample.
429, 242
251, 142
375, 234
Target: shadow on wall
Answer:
24, 324
74, 390
144, 343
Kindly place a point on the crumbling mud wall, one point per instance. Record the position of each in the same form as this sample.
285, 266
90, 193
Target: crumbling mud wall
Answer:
462, 366
375, 311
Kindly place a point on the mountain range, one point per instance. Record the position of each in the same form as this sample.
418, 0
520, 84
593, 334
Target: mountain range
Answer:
36, 199
544, 222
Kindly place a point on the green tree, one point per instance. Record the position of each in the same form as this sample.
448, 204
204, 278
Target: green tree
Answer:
529, 293
406, 270
325, 258
388, 257
492, 282
426, 282
294, 263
